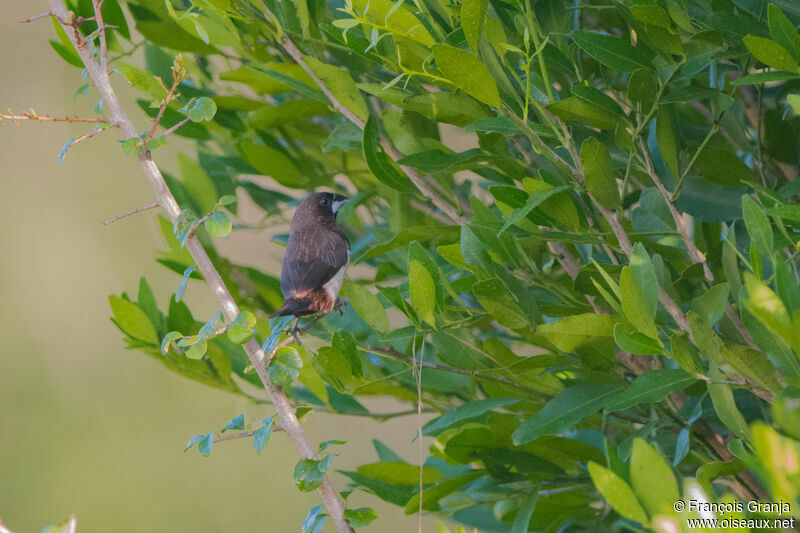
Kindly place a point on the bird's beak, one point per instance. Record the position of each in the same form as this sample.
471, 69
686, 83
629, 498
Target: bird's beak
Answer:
338, 201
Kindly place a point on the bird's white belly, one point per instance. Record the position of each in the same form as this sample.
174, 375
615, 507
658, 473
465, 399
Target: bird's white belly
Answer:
334, 284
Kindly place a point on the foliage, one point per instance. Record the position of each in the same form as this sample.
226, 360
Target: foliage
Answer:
616, 295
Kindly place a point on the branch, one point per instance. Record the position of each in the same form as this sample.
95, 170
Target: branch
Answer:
23, 21
624, 242
694, 253
289, 420
419, 182
244, 435
131, 212
175, 127
31, 115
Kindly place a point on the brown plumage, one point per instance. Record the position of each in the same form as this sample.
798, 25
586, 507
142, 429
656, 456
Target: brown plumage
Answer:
316, 257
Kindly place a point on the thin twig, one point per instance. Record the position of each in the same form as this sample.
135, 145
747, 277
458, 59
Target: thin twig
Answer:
76, 140
163, 108
132, 212
31, 115
31, 19
175, 127
694, 252
98, 14
244, 435
288, 418
624, 242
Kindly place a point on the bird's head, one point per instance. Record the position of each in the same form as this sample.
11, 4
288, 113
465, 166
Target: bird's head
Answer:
319, 208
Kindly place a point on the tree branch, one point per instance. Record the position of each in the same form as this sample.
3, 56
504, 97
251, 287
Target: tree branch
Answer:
289, 420
131, 212
31, 115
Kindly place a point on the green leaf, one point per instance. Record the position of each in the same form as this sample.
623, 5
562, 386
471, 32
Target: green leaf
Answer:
533, 201
636, 343
194, 346
757, 78
339, 82
462, 414
400, 20
473, 15
501, 125
169, 338
422, 291
712, 303
713, 470
379, 163
344, 342
753, 364
782, 30
523, 518
432, 161
651, 14
437, 234
315, 520
236, 422
285, 367
598, 172
758, 226
308, 475
651, 387
578, 330
204, 109
611, 52
360, 517
400, 473
645, 276
218, 224
724, 404
574, 109
274, 78
493, 295
204, 443
770, 53
262, 435
132, 320
617, 492
242, 328
723, 167
345, 136
367, 306
270, 162
568, 408
667, 135
467, 73
636, 309
652, 479
171, 35
432, 495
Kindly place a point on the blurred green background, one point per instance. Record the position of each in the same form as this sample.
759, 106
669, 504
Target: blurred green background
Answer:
87, 427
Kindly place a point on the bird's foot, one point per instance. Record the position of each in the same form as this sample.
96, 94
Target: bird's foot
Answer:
339, 305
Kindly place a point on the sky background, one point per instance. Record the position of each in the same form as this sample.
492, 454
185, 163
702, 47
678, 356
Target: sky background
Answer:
86, 426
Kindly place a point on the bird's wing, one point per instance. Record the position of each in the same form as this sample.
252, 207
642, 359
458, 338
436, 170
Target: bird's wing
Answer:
312, 260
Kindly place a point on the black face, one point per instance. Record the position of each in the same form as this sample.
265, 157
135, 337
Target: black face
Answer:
319, 208
330, 203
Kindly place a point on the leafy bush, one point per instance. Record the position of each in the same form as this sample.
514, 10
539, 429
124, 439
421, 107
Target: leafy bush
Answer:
598, 286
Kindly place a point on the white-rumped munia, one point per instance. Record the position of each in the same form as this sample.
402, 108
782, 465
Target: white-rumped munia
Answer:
316, 258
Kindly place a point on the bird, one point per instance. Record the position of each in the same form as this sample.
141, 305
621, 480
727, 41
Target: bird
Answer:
315, 260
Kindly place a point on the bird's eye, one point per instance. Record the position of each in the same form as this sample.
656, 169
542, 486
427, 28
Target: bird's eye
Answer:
324, 202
